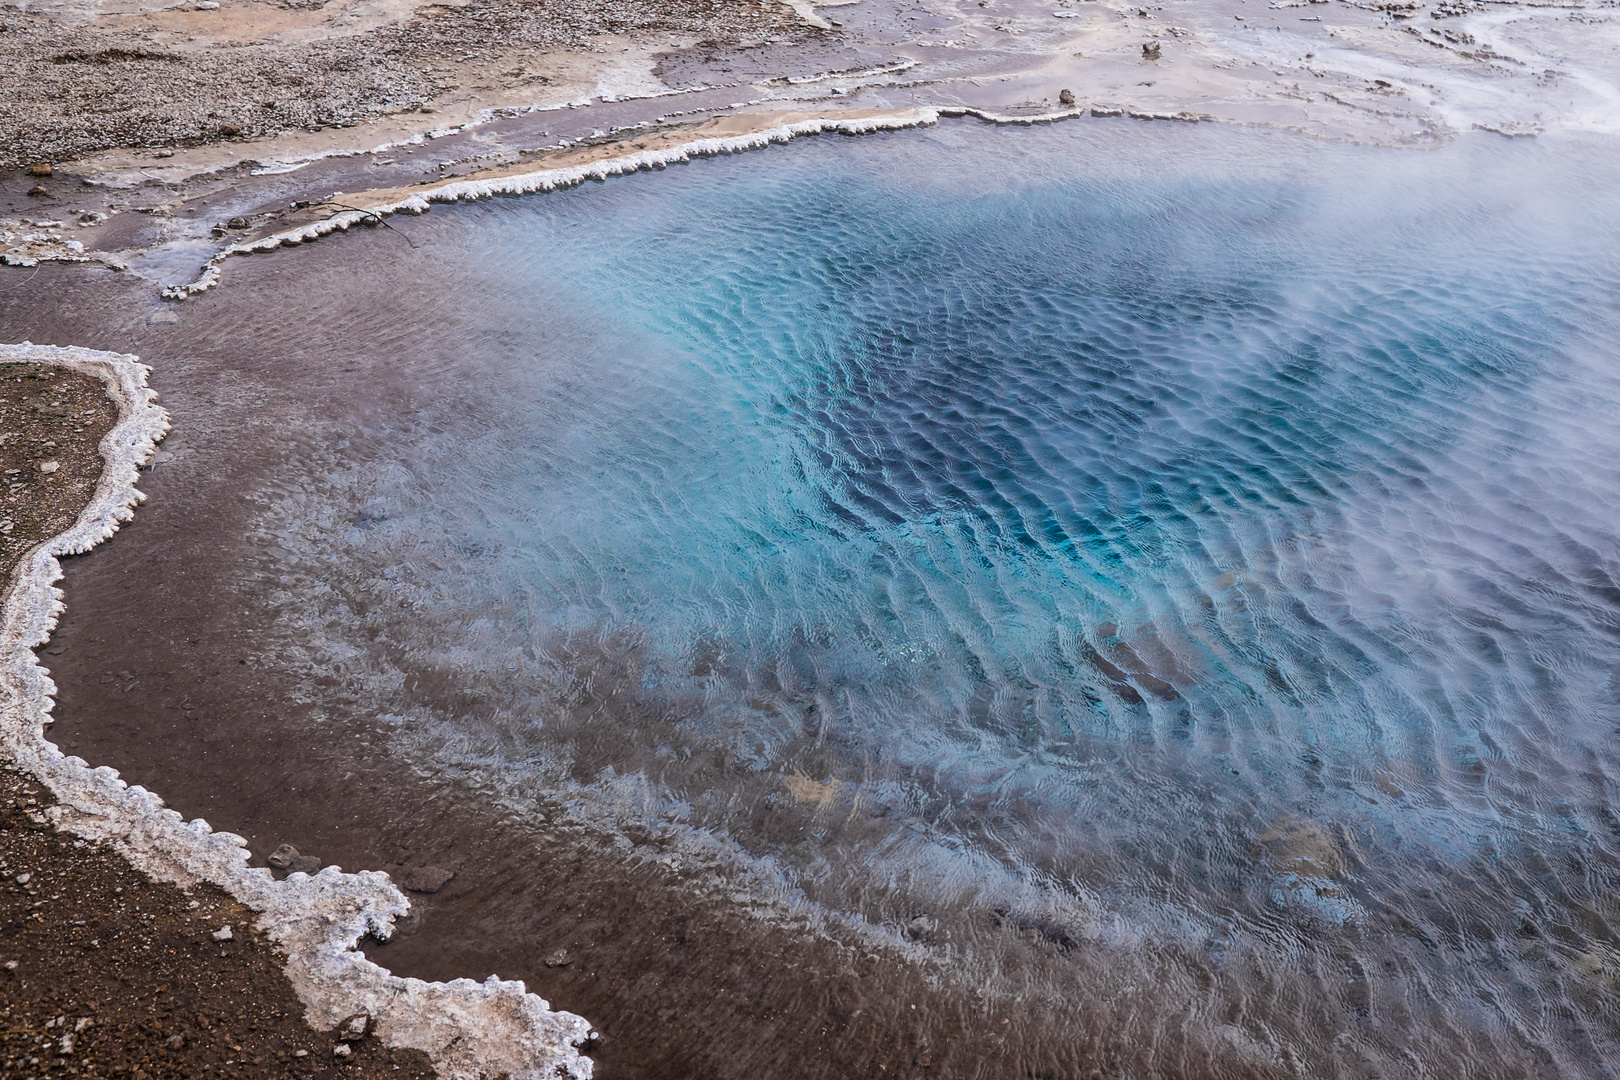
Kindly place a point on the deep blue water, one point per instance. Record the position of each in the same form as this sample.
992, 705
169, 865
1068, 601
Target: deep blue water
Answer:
1197, 539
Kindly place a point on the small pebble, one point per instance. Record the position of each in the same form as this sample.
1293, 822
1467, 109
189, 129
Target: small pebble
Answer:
223, 933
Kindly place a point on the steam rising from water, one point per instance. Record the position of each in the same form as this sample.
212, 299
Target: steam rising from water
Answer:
1201, 564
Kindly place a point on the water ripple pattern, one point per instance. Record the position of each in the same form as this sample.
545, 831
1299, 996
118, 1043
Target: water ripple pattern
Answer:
1214, 559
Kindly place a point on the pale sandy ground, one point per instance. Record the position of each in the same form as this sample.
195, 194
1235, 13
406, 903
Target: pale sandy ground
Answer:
514, 94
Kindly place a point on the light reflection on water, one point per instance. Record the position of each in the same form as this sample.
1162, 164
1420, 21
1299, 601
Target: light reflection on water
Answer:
1185, 553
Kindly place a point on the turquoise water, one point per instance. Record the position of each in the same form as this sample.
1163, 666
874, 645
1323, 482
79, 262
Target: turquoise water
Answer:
1204, 543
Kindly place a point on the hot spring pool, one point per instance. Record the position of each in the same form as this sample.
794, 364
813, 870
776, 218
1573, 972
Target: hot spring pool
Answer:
1193, 548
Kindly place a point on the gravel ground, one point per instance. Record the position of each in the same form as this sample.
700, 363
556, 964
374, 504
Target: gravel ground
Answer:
104, 972
68, 89
49, 462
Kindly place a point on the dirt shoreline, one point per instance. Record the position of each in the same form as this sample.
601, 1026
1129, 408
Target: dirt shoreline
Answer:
314, 915
104, 971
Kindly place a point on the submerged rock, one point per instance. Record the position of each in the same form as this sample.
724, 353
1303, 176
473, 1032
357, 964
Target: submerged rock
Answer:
1300, 846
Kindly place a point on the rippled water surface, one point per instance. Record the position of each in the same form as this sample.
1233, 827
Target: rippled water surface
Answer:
1197, 556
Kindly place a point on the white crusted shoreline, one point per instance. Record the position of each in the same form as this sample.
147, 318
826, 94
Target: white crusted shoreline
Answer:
468, 1029
530, 181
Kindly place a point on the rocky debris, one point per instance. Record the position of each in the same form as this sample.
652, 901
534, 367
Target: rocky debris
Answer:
39, 170
354, 1028
282, 857
1066, 97
81, 87
426, 879
237, 223
921, 928
1151, 51
222, 934
38, 191
29, 243
48, 467
342, 1050
559, 958
288, 859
